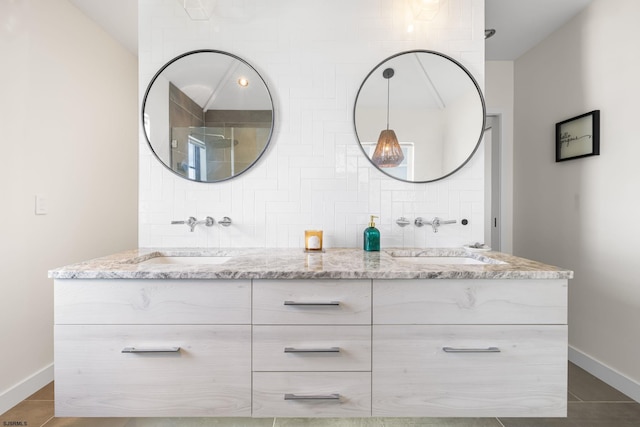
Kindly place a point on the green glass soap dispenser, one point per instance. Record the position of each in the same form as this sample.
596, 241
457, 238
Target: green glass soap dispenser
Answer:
372, 236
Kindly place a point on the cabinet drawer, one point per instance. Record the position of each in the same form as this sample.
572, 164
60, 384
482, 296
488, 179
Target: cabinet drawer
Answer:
307, 302
311, 348
152, 302
413, 376
311, 394
469, 302
210, 375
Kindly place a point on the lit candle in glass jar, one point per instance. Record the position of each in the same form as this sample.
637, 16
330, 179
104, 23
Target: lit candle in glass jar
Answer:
313, 240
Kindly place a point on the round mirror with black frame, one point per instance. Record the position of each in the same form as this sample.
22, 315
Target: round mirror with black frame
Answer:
208, 115
419, 116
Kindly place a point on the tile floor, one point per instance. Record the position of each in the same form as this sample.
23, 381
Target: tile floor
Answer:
592, 403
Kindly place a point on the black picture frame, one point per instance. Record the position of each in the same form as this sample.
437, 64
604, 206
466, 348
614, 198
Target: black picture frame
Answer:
578, 137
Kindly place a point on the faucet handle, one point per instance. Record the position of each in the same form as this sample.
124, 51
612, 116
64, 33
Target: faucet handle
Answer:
225, 222
419, 222
192, 222
402, 221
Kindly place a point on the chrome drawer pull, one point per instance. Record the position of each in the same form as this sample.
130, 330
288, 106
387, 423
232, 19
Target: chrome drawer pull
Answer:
312, 303
151, 350
312, 350
471, 350
334, 396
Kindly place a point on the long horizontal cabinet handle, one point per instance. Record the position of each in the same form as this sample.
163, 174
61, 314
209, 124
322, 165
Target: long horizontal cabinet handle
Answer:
312, 350
334, 303
150, 349
334, 396
471, 350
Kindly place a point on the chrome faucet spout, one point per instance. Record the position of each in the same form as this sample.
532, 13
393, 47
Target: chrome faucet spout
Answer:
435, 223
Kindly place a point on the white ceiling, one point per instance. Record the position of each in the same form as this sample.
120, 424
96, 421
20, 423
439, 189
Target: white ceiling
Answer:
421, 81
519, 24
212, 79
522, 24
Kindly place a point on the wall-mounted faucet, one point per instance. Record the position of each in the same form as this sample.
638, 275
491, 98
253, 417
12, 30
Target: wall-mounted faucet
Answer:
208, 221
192, 222
435, 222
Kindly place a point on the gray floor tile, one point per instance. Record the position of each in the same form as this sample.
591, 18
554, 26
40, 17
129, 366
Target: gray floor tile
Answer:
323, 422
586, 414
199, 422
387, 422
572, 397
588, 388
440, 422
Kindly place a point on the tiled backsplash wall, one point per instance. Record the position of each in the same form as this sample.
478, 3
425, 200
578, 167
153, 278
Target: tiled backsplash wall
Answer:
313, 55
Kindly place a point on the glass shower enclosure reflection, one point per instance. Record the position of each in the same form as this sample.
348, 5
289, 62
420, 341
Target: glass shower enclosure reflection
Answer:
215, 153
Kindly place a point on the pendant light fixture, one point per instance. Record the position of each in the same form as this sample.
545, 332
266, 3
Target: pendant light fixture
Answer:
388, 153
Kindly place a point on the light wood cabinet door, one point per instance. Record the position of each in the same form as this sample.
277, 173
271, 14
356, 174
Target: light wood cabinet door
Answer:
209, 376
469, 371
312, 394
309, 302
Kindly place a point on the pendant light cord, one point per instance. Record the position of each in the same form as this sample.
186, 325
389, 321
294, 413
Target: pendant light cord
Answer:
388, 99
387, 74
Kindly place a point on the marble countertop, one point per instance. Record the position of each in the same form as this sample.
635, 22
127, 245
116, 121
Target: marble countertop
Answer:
334, 263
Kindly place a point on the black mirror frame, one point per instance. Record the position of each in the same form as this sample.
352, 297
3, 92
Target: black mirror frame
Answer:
463, 68
172, 61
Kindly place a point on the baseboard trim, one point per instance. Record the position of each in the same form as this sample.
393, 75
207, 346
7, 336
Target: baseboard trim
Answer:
607, 374
16, 394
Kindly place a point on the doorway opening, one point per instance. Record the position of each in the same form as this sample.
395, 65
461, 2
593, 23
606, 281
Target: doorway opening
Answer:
493, 182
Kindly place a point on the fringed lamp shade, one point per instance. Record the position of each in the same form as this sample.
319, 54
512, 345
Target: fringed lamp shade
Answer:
388, 153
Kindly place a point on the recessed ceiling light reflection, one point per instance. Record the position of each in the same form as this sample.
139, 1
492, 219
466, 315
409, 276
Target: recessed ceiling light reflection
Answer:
243, 82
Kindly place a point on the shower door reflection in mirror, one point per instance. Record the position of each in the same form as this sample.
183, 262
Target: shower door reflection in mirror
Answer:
208, 116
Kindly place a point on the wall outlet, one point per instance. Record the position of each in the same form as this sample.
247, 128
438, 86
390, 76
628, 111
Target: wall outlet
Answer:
41, 205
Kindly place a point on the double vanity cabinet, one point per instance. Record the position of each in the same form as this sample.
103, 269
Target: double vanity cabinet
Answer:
278, 334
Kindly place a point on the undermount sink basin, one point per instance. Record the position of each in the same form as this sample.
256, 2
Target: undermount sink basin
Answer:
438, 260
187, 260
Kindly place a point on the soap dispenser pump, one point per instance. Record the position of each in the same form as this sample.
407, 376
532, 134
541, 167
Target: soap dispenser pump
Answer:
372, 236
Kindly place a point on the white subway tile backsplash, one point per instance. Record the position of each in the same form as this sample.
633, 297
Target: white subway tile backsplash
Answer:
314, 174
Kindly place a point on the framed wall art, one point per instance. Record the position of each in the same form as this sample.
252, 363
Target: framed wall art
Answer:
578, 137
